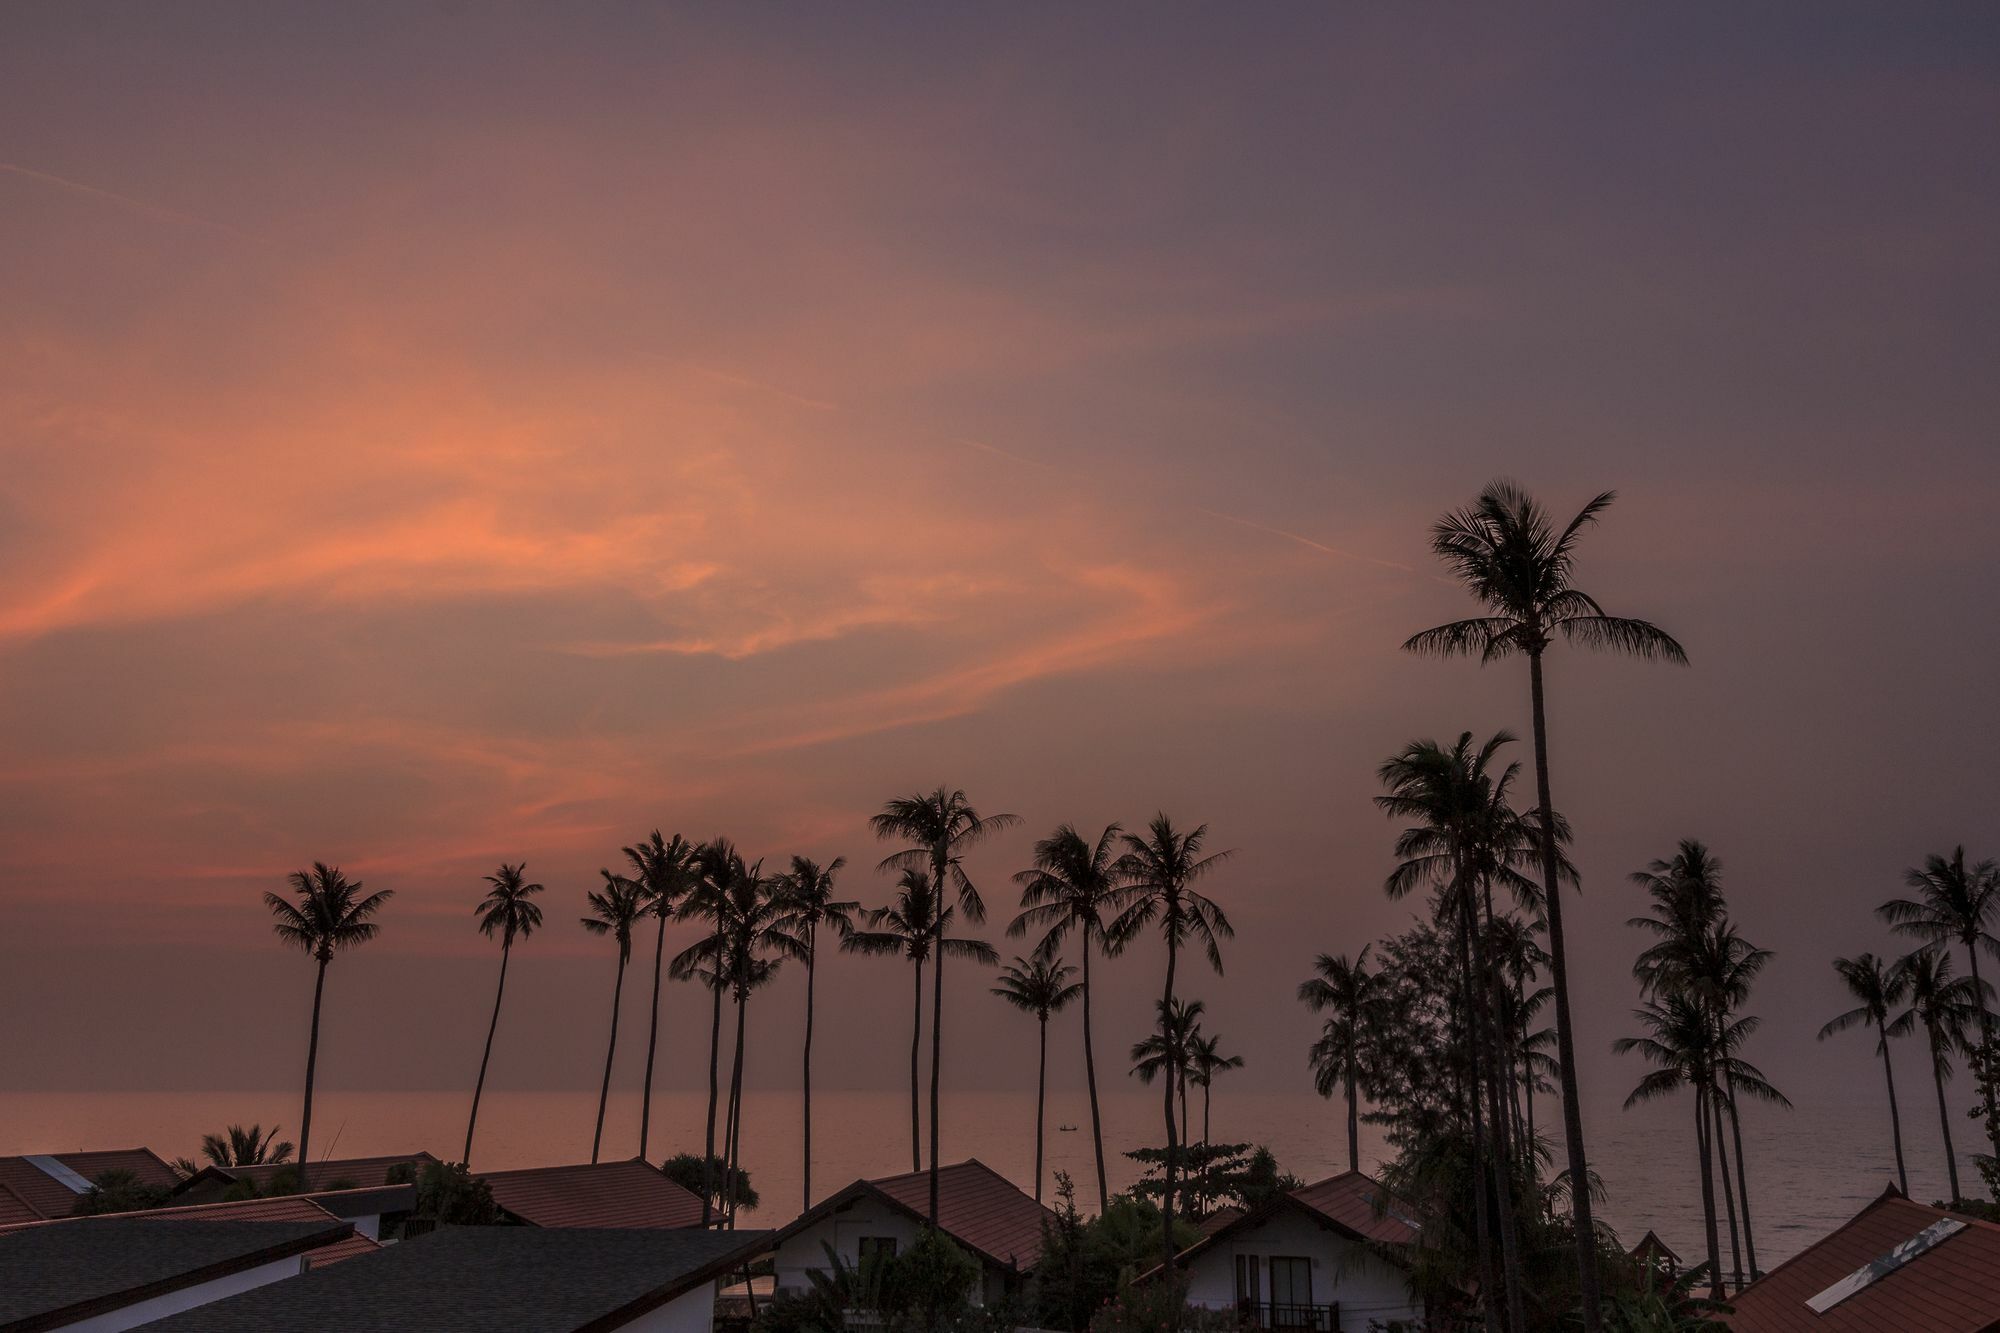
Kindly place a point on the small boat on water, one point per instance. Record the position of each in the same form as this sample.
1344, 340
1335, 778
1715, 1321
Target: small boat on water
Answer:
1065, 1129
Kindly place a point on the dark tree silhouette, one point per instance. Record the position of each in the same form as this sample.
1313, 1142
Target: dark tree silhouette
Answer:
663, 868
1347, 992
809, 905
1039, 987
510, 911
614, 910
1946, 1007
1879, 986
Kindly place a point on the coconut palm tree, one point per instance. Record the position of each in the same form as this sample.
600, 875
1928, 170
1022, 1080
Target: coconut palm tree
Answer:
1507, 552
509, 910
1156, 877
757, 940
614, 910
1955, 901
1070, 889
1947, 1007
326, 913
710, 898
941, 827
237, 1146
1680, 1040
1039, 986
1169, 1053
1879, 986
663, 868
810, 904
1206, 1060
1349, 990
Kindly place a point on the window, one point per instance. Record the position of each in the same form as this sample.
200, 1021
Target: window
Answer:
1291, 1290
1249, 1284
874, 1248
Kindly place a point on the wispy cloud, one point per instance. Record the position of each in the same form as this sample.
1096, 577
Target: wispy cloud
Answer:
143, 207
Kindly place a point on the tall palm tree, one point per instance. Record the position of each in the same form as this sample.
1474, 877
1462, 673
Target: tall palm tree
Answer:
758, 940
1947, 1007
1169, 1053
326, 913
1955, 901
1039, 986
663, 868
1879, 986
614, 910
509, 909
1349, 990
710, 898
941, 827
1509, 555
237, 1146
1680, 1040
1068, 890
1206, 1060
810, 904
1156, 877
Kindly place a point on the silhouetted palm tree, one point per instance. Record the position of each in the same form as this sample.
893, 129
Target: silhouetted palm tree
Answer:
508, 909
1070, 888
663, 868
1956, 902
1206, 1060
1350, 991
1169, 1052
1039, 986
810, 904
613, 911
1680, 1040
325, 914
1156, 877
758, 940
941, 826
710, 899
1879, 986
1946, 1006
237, 1146
1510, 556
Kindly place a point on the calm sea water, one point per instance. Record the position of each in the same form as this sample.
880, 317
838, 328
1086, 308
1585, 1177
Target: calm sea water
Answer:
1810, 1169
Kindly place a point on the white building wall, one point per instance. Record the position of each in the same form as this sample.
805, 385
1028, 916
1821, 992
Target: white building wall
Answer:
693, 1312
844, 1230
159, 1307
1368, 1289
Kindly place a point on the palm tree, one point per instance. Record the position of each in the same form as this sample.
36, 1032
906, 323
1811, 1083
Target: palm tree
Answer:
1946, 1006
1169, 1052
510, 910
237, 1146
1349, 990
1956, 902
613, 911
1069, 889
1206, 1060
1681, 1041
326, 913
1879, 986
1039, 986
710, 898
941, 826
1156, 877
1509, 555
810, 904
757, 940
663, 868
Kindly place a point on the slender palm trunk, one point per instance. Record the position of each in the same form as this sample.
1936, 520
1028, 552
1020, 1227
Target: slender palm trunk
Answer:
1486, 1028
1742, 1184
604, 1093
652, 1040
714, 1059
1491, 1278
1181, 1078
1041, 1101
812, 961
1353, 1121
1895, 1119
1944, 1116
1707, 1193
1588, 1289
736, 1104
312, 1065
1090, 1079
1728, 1190
1206, 1089
506, 948
916, 1048
1986, 1051
1167, 1109
937, 1028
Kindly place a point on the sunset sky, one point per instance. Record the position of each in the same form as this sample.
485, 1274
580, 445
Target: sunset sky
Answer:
438, 435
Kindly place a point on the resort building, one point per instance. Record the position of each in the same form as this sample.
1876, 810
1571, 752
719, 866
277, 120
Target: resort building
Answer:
631, 1193
104, 1274
340, 1173
982, 1210
1897, 1265
1326, 1257
41, 1185
500, 1280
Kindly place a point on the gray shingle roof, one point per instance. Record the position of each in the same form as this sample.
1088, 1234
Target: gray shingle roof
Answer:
486, 1280
57, 1272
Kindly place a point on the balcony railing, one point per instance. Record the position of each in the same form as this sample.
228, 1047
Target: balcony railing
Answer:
1280, 1315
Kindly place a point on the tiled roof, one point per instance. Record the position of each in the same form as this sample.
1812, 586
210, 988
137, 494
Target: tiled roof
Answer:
486, 1280
14, 1208
286, 1208
1350, 1199
1217, 1220
50, 1197
610, 1194
978, 1207
355, 1171
1953, 1287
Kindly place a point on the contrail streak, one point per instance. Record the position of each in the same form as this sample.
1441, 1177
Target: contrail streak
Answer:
126, 201
1321, 547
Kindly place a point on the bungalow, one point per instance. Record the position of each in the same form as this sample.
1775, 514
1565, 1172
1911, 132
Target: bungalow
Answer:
51, 1184
500, 1280
103, 1274
1324, 1257
1655, 1255
1896, 1265
631, 1193
212, 1183
978, 1207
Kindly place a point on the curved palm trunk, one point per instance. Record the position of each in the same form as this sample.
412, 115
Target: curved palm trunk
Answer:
1895, 1119
1090, 1079
312, 1064
604, 1093
492, 1026
1707, 1193
937, 1063
1041, 1101
1742, 1184
812, 963
1167, 1109
1588, 1288
1986, 1049
1728, 1191
1353, 1121
1944, 1118
652, 1041
916, 1049
708, 1146
736, 1106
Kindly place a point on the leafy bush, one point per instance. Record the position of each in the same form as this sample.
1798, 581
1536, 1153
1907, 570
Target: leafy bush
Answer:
685, 1169
450, 1195
117, 1191
929, 1285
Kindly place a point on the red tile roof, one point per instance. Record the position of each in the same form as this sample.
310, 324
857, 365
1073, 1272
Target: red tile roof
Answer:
1953, 1287
356, 1171
14, 1208
50, 1197
1349, 1201
610, 1194
286, 1208
978, 1207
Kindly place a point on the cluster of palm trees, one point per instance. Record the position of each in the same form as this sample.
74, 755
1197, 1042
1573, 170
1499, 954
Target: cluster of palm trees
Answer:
1695, 978
1952, 903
